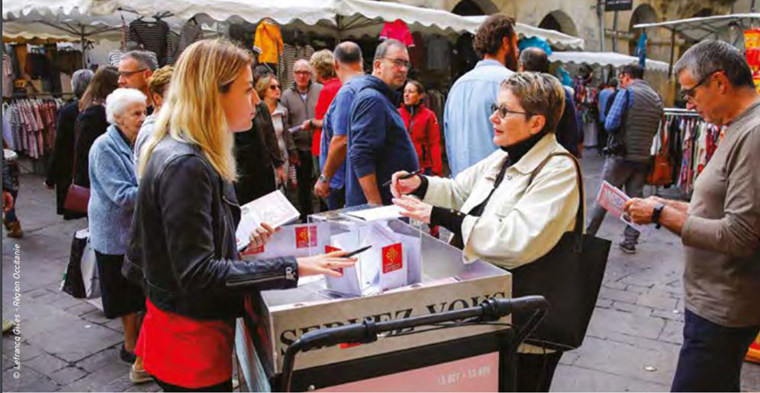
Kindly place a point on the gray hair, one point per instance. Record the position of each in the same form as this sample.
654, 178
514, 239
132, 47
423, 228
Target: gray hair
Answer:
382, 49
142, 58
710, 56
80, 80
118, 101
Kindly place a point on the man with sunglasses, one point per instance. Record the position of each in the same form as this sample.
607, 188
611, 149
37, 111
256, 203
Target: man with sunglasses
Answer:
720, 227
135, 68
378, 143
632, 123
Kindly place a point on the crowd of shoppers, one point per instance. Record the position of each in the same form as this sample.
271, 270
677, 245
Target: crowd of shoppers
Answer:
169, 156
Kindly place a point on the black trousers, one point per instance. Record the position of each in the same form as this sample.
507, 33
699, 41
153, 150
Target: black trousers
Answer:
711, 356
225, 386
536, 371
305, 176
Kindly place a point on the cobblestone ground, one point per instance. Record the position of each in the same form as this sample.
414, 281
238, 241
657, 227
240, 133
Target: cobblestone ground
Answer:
68, 344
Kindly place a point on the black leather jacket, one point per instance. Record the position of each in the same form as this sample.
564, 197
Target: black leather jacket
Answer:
183, 239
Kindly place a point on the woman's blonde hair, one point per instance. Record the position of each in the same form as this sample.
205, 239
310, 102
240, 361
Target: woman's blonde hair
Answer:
193, 111
262, 85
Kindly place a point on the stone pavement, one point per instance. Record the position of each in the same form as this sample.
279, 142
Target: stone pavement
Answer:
68, 344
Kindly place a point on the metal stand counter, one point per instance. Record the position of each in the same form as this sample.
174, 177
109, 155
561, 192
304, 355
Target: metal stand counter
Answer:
466, 358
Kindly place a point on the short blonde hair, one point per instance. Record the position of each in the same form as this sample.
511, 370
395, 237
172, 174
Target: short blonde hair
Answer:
193, 111
539, 94
323, 64
262, 85
118, 101
159, 81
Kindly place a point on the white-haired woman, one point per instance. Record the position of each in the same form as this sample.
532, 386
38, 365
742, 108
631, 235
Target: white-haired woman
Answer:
113, 193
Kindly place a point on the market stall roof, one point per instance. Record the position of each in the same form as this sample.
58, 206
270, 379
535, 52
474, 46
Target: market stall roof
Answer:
698, 29
346, 18
606, 58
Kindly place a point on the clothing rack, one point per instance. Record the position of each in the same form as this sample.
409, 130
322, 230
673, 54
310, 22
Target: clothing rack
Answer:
32, 95
157, 16
691, 144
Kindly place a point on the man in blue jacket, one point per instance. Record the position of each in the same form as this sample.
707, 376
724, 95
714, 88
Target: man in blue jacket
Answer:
378, 143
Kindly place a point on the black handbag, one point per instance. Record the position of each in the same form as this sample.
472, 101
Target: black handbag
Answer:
569, 277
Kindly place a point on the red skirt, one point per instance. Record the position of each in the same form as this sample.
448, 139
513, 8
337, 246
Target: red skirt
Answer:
186, 352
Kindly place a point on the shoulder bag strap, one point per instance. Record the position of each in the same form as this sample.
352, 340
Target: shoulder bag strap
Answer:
578, 230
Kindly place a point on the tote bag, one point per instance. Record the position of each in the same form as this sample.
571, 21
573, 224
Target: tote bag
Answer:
569, 277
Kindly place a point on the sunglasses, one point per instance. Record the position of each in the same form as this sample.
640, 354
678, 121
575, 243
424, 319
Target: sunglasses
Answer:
504, 111
275, 87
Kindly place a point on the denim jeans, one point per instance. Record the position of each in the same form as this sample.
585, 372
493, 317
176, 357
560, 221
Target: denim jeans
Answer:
627, 176
711, 356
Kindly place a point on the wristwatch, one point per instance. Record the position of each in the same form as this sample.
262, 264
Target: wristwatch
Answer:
656, 215
324, 179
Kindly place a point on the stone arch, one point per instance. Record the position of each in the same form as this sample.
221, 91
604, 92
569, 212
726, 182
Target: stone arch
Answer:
475, 7
559, 21
643, 14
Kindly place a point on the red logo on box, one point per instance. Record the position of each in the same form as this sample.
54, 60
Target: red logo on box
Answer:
329, 249
346, 346
306, 237
253, 251
392, 258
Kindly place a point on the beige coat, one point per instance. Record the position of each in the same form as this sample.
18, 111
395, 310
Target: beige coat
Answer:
521, 222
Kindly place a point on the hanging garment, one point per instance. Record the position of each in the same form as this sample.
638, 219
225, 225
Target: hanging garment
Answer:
438, 53
152, 36
7, 76
397, 30
190, 33
268, 42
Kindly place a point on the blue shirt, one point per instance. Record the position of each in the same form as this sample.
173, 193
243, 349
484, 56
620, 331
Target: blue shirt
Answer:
619, 107
604, 95
377, 140
466, 124
336, 123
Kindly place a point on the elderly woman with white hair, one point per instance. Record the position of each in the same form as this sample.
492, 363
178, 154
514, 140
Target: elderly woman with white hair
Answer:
113, 194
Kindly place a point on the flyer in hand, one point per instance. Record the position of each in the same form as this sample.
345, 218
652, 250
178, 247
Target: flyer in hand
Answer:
274, 209
613, 200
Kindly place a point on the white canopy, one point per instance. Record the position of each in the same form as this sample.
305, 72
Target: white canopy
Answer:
606, 58
343, 18
698, 29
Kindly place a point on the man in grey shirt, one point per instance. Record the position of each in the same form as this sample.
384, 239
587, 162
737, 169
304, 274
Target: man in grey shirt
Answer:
720, 228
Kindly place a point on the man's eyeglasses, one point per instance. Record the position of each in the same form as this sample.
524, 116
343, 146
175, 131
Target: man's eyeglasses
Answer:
127, 74
302, 72
400, 62
688, 94
504, 111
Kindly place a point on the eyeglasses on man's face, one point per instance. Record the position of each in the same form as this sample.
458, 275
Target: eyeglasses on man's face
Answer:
400, 63
688, 94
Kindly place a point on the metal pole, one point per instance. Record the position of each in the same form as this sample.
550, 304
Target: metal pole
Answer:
672, 52
84, 47
600, 11
752, 7
614, 32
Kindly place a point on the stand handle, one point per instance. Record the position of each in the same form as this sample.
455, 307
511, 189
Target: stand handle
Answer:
366, 332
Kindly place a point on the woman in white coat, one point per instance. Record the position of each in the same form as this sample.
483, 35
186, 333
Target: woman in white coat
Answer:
495, 211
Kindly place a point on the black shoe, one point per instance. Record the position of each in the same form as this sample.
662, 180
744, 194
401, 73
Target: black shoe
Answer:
628, 247
126, 356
